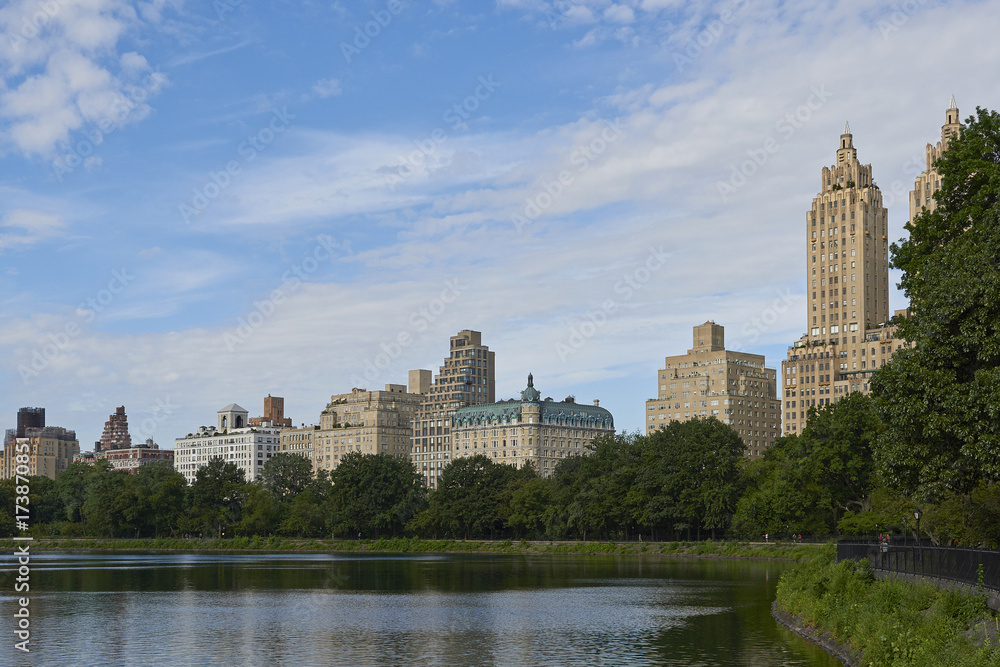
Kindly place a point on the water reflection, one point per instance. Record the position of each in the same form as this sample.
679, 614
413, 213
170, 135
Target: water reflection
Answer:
311, 609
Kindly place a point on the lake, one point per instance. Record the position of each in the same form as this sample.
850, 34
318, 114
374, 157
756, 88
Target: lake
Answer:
100, 608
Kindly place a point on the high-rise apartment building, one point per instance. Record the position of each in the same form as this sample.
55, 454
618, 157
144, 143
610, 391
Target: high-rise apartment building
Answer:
232, 440
46, 450
370, 422
115, 435
710, 381
467, 377
929, 182
847, 280
29, 418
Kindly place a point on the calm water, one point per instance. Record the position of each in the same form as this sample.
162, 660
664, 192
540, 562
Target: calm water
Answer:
318, 609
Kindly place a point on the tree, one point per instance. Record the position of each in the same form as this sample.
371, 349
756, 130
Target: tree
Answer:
216, 497
303, 517
160, 489
71, 485
805, 483
939, 400
473, 495
689, 475
374, 494
529, 505
260, 512
841, 441
286, 475
106, 501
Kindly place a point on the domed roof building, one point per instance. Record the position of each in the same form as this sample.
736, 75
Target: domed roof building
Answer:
530, 429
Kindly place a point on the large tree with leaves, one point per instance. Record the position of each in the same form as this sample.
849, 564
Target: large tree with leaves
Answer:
940, 400
689, 476
286, 475
374, 494
805, 483
216, 497
473, 496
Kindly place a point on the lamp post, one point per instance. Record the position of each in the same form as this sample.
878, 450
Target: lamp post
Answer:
916, 515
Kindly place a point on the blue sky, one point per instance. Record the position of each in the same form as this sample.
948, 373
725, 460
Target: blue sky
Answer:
204, 203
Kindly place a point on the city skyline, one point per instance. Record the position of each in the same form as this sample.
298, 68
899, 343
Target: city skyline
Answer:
566, 211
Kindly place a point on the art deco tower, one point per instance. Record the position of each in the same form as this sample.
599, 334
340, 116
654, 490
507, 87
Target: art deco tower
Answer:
929, 182
847, 289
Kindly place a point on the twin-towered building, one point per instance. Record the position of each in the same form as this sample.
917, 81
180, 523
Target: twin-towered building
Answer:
850, 334
849, 331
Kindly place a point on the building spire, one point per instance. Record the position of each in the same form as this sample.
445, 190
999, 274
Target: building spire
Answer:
847, 127
953, 104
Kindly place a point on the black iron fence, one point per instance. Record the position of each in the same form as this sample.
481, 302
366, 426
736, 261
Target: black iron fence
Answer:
955, 563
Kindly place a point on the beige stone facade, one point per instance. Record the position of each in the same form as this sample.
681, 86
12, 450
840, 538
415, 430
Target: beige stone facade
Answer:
298, 440
370, 422
711, 381
847, 290
847, 275
929, 182
49, 451
468, 377
542, 432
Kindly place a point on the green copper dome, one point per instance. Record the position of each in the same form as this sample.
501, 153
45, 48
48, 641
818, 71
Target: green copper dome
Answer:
530, 395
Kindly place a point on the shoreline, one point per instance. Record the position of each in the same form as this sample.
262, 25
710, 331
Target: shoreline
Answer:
788, 552
821, 638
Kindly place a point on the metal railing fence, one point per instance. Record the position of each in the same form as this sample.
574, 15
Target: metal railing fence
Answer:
954, 563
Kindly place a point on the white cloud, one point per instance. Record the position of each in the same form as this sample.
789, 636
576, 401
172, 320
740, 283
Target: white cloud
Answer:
58, 76
654, 185
619, 14
31, 227
326, 88
579, 14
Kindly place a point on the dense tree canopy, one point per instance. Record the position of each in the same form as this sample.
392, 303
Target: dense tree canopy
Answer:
939, 400
805, 483
216, 497
374, 495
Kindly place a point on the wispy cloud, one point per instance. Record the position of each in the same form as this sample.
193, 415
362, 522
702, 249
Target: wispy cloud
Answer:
203, 55
30, 227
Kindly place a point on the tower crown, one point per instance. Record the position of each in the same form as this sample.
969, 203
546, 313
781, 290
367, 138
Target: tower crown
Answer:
951, 119
846, 151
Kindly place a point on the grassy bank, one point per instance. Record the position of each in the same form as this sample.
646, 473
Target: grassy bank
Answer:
706, 549
890, 622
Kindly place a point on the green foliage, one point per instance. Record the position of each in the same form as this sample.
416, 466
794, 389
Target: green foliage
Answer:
373, 494
286, 475
805, 483
939, 399
889, 622
473, 496
682, 478
260, 512
216, 497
